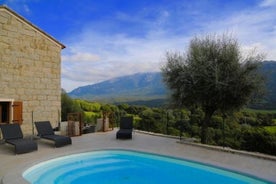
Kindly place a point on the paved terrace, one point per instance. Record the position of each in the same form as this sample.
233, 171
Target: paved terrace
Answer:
12, 166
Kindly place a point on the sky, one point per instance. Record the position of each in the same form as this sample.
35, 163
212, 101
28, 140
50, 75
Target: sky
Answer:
111, 38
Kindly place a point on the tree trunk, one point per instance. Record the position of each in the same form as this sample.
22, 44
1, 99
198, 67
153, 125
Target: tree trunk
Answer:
205, 125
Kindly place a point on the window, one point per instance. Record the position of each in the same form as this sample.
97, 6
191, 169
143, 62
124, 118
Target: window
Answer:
11, 111
4, 112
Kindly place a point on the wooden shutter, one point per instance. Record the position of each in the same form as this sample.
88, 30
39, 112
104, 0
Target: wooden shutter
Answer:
17, 112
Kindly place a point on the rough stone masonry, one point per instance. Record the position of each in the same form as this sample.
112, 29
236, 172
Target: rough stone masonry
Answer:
30, 67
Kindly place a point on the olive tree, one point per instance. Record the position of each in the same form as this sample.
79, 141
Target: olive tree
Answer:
213, 75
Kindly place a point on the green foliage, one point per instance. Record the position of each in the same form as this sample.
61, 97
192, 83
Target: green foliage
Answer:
258, 118
212, 75
259, 110
89, 106
258, 139
246, 130
270, 129
68, 106
265, 119
90, 117
216, 121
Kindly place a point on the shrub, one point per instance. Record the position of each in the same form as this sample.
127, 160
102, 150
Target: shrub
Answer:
258, 139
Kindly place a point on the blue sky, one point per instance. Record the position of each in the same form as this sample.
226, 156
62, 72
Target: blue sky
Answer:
111, 38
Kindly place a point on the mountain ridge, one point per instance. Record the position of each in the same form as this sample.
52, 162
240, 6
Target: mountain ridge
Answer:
139, 86
148, 88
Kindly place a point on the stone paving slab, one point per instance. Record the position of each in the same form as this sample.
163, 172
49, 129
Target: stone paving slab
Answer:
12, 166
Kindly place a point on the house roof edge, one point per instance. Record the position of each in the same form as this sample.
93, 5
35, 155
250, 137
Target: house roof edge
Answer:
6, 8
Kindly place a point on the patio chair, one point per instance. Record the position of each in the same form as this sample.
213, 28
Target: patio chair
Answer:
126, 127
12, 134
45, 131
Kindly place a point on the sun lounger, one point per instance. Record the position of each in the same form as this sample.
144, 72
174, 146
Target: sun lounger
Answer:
126, 127
45, 131
12, 134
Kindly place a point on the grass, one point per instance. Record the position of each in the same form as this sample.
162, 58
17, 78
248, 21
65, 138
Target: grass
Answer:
260, 110
270, 129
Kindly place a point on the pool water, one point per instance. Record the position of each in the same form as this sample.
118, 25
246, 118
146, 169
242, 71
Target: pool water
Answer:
121, 166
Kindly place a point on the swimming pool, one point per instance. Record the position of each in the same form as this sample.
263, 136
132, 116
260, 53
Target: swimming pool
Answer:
131, 167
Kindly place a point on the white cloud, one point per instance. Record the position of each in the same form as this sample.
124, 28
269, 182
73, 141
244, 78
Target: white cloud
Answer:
268, 3
112, 55
81, 57
19, 5
26, 9
254, 28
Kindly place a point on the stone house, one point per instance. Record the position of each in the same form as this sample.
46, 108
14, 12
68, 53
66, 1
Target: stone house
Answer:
30, 68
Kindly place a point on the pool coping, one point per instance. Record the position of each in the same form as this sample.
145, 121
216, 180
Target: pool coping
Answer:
167, 146
128, 151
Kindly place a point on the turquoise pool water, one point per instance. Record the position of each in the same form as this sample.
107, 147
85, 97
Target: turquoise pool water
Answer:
121, 166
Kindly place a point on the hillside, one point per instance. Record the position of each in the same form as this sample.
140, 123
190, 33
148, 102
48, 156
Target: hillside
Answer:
269, 100
148, 89
137, 87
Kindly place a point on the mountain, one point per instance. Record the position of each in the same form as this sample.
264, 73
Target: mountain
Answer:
138, 87
269, 100
149, 89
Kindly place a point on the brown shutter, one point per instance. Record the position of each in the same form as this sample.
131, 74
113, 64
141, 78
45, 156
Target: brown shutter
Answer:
17, 112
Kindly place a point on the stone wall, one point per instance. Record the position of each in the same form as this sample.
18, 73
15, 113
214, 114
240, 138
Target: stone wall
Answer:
30, 65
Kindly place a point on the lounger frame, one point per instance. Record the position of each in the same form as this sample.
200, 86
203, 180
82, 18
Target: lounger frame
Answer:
12, 134
126, 128
45, 131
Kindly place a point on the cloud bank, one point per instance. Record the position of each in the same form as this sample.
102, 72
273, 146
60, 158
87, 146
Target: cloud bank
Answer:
106, 39
93, 56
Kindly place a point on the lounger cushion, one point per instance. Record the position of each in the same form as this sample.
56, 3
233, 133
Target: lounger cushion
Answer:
124, 134
23, 145
126, 123
11, 131
12, 134
44, 128
126, 126
58, 139
45, 131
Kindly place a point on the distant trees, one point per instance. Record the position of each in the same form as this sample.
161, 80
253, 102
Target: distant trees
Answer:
90, 110
214, 76
68, 106
247, 130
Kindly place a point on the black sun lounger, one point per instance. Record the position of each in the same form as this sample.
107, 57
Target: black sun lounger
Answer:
12, 134
126, 126
45, 131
